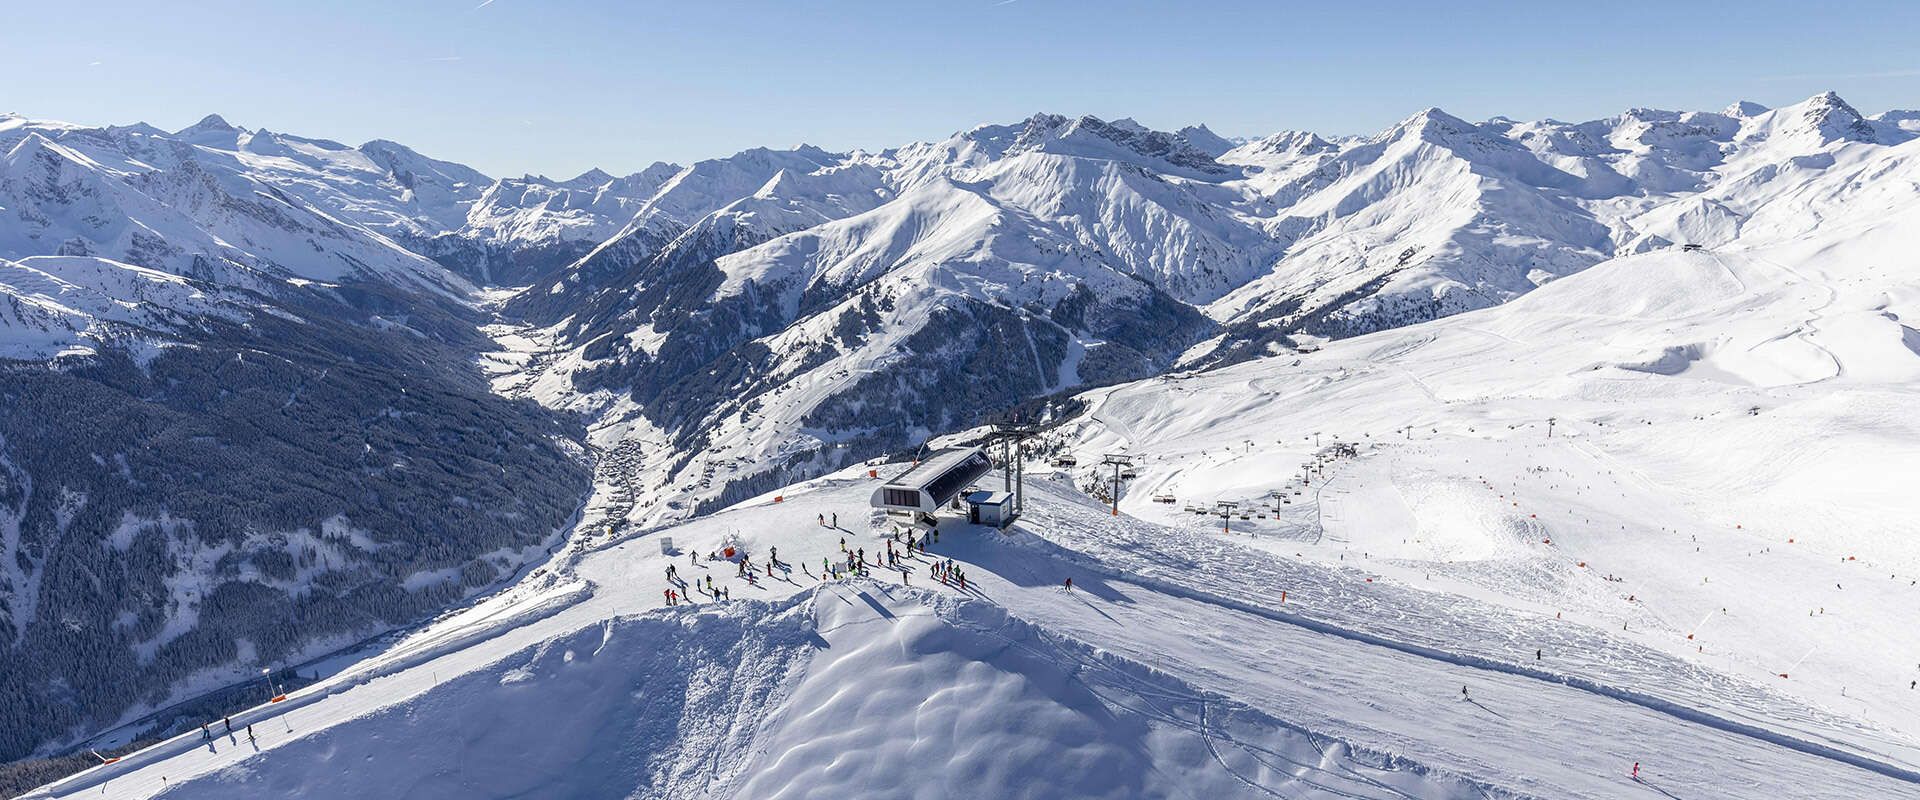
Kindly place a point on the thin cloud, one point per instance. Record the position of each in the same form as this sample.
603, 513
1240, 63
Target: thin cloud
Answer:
446, 58
483, 4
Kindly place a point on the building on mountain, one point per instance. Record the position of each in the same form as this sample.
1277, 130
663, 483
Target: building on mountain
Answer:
912, 498
990, 508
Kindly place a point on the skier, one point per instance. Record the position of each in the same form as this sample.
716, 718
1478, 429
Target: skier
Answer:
250, 734
836, 519
1069, 584
822, 518
229, 724
1537, 654
669, 595
1636, 770
205, 735
1464, 695
773, 555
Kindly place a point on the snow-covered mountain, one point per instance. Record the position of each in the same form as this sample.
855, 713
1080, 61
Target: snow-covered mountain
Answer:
222, 225
234, 298
224, 404
812, 320
63, 306
1436, 215
1642, 531
493, 232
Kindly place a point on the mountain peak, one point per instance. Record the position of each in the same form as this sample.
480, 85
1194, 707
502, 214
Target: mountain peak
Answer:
140, 128
1430, 124
1125, 140
207, 124
1744, 109
29, 144
592, 177
35, 143
1202, 138
1830, 118
1293, 143
657, 171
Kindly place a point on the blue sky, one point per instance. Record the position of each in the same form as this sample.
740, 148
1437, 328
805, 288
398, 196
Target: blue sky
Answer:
512, 86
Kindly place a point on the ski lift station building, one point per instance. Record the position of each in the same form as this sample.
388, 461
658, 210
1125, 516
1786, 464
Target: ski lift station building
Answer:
936, 481
990, 508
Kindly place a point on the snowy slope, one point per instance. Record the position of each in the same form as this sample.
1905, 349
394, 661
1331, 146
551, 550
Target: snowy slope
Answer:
412, 205
53, 306
761, 710
191, 218
1719, 484
1432, 217
590, 207
845, 338
789, 321
1438, 215
1124, 687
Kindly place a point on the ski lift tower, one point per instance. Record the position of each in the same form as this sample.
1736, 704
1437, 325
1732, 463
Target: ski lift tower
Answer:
1117, 461
1012, 437
1225, 509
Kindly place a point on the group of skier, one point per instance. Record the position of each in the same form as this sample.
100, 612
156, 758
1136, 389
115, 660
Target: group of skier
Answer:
900, 548
206, 734
948, 571
676, 593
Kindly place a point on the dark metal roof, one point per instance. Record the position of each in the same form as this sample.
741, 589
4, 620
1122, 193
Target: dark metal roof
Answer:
946, 472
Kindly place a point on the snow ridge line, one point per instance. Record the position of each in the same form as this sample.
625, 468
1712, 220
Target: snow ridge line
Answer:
1647, 701
185, 741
